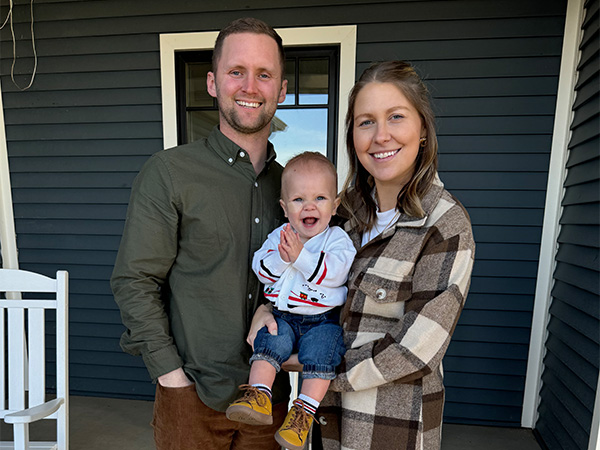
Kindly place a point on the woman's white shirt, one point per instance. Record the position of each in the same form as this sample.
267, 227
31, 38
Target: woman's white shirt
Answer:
385, 220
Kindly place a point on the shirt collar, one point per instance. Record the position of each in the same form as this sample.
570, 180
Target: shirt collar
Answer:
230, 152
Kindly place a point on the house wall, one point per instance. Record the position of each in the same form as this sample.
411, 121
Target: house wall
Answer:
570, 376
77, 138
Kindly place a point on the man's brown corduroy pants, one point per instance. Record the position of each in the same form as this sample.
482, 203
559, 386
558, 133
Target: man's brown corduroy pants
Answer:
183, 422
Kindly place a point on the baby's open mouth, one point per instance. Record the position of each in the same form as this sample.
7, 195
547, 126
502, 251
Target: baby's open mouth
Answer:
309, 220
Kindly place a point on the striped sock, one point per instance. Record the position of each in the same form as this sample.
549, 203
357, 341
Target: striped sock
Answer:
264, 388
310, 404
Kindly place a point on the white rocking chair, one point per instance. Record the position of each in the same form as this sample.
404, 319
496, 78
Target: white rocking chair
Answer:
24, 343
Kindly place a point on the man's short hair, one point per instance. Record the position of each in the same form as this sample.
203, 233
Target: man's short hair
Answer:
247, 25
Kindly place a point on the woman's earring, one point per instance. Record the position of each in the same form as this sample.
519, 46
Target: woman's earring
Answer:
423, 142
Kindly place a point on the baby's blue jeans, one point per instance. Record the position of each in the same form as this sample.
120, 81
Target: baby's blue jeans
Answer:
317, 339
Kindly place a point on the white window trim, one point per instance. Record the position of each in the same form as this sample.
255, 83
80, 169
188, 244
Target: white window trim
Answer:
553, 210
344, 36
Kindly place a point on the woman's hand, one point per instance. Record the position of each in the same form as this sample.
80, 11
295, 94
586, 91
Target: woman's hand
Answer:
262, 318
292, 364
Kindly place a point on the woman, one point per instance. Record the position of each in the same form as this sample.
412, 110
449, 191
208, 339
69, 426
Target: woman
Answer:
411, 274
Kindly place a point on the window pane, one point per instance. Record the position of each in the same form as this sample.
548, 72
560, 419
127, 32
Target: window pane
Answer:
197, 94
290, 75
313, 81
302, 130
200, 123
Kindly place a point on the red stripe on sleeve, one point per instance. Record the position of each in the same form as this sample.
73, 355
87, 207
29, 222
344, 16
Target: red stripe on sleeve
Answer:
324, 272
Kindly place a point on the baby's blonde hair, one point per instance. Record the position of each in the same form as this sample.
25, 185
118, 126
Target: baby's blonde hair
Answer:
306, 159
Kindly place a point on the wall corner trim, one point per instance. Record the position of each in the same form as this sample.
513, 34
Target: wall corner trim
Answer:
554, 193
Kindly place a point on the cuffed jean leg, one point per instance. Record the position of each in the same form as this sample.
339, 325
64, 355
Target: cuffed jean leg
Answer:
274, 349
321, 350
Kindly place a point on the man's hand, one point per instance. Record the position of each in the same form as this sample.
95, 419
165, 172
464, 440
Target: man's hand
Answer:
175, 379
262, 318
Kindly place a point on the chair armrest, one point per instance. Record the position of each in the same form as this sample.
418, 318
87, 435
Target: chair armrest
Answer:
35, 413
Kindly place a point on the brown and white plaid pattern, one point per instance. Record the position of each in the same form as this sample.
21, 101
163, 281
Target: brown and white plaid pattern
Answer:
406, 291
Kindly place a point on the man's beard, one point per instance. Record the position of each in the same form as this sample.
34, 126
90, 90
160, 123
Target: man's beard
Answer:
233, 119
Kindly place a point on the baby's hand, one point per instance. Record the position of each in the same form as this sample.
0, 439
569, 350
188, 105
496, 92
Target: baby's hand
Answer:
282, 251
290, 243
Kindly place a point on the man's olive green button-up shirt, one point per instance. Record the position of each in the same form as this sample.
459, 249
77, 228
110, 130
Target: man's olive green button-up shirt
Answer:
183, 277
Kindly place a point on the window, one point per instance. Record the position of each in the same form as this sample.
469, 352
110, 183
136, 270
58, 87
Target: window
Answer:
343, 37
306, 120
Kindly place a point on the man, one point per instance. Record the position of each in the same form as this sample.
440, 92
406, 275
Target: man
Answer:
182, 278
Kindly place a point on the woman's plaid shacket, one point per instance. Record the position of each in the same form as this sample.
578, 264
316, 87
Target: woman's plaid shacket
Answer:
407, 288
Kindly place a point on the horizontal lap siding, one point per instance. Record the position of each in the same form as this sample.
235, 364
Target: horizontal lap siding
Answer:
571, 363
93, 116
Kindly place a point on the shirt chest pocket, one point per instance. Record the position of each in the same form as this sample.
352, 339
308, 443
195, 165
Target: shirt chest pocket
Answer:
385, 289
385, 292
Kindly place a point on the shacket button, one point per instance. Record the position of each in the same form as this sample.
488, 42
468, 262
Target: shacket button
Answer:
380, 293
257, 220
230, 160
242, 154
255, 184
250, 296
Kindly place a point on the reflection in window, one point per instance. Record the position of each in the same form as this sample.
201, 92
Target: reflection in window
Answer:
197, 93
306, 131
200, 123
313, 81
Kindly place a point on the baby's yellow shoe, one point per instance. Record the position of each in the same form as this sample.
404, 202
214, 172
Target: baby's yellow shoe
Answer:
294, 431
254, 408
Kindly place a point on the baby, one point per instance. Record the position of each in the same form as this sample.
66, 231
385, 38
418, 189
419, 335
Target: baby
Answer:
304, 266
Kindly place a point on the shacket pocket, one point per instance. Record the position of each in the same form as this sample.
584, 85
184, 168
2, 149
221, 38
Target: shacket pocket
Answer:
386, 287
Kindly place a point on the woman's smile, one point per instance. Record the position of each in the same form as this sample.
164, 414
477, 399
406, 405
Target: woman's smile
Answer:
384, 155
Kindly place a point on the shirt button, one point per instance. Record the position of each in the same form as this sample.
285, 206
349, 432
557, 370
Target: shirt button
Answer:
250, 296
255, 184
242, 154
257, 220
380, 294
230, 160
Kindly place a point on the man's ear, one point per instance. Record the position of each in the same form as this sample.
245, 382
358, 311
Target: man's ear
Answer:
283, 91
210, 84
282, 203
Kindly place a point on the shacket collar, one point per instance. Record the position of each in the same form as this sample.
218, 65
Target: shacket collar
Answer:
230, 152
428, 203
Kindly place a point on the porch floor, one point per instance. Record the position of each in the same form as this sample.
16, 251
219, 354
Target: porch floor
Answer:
116, 424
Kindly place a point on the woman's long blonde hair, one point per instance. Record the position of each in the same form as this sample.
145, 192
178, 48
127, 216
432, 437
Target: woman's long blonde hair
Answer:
402, 75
